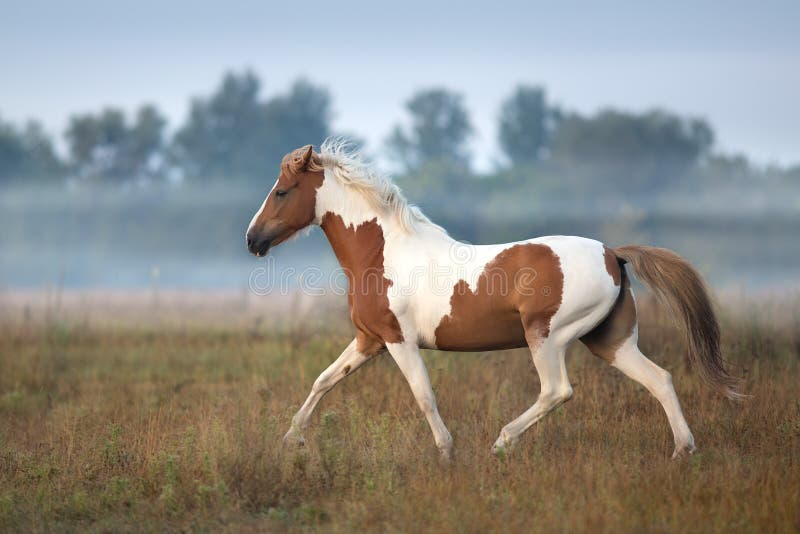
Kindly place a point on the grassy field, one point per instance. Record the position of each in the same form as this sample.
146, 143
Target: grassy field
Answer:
166, 412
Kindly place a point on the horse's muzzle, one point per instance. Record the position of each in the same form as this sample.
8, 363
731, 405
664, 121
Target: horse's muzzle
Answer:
258, 245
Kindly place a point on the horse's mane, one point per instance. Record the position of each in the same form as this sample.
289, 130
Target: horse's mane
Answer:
348, 167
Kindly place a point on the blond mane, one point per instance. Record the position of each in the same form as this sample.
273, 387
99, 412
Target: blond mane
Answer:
348, 167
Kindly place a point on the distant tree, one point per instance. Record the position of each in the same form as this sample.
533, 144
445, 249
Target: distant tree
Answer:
12, 153
219, 128
105, 147
727, 168
637, 151
300, 117
793, 174
527, 124
233, 133
26, 154
43, 162
145, 143
438, 133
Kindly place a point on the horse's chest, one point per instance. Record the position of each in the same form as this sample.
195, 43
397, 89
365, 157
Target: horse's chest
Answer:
371, 315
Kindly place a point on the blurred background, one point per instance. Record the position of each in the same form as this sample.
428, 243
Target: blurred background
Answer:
138, 139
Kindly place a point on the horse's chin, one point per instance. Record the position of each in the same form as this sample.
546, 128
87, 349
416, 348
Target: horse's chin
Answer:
271, 244
283, 239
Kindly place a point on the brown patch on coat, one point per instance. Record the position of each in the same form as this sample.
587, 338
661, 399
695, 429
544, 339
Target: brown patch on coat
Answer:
517, 294
367, 344
612, 265
609, 335
360, 253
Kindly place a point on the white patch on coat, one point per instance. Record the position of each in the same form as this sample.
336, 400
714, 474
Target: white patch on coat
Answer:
589, 292
334, 197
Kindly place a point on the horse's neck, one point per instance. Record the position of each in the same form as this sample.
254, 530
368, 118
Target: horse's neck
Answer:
356, 245
360, 235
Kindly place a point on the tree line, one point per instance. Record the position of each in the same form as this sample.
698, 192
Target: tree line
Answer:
234, 133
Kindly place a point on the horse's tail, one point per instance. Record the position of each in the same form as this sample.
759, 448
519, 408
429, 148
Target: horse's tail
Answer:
680, 287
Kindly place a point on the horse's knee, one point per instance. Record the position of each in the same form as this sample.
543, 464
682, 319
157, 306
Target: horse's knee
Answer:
662, 384
324, 382
559, 395
320, 385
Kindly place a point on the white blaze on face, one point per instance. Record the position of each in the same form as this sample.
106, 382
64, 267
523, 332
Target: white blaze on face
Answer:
263, 205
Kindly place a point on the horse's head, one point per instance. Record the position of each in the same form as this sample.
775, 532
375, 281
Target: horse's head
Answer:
291, 205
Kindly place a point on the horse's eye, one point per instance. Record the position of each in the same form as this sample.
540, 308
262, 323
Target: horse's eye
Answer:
280, 193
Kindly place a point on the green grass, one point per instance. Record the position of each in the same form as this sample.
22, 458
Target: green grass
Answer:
109, 423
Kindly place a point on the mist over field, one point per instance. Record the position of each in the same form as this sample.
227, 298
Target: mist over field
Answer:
181, 236
133, 204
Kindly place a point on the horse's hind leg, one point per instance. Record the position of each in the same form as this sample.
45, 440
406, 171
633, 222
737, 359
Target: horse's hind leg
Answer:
615, 341
555, 390
635, 365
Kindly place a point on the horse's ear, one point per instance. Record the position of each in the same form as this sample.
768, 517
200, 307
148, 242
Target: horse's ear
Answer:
308, 151
299, 159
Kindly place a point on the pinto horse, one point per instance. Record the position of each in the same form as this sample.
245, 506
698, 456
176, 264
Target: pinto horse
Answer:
412, 286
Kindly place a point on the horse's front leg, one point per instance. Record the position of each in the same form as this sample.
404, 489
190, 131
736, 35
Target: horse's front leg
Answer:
350, 360
409, 360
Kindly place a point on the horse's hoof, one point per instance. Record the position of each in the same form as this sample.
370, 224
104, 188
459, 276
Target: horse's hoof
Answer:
684, 450
293, 438
501, 448
500, 452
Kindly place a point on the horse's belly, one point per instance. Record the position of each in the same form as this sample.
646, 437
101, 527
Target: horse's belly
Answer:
494, 331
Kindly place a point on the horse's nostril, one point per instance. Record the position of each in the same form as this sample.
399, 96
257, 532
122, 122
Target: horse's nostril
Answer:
249, 242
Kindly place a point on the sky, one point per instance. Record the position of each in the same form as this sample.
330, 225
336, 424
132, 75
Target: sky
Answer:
736, 64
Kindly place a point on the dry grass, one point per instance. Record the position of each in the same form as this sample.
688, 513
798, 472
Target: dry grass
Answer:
158, 416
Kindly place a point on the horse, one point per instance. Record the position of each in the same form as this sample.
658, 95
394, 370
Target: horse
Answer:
412, 286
